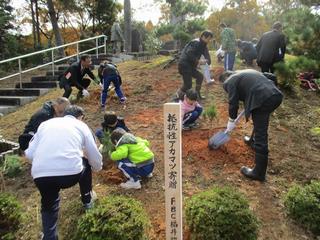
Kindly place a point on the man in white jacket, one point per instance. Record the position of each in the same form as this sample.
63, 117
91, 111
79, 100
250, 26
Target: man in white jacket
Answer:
57, 156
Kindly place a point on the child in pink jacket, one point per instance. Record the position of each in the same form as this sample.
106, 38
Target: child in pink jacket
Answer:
190, 109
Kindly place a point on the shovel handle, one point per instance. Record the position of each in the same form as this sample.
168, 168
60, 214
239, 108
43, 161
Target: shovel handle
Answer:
239, 116
236, 120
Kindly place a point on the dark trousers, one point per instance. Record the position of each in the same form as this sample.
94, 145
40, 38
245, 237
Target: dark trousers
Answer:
260, 118
191, 117
68, 87
133, 172
266, 67
117, 87
49, 188
188, 73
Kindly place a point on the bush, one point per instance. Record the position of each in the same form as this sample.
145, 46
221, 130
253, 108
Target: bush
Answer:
220, 213
116, 217
10, 216
12, 166
287, 71
303, 205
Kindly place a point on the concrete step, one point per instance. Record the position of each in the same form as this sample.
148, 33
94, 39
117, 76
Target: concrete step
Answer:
7, 109
15, 100
57, 72
63, 67
23, 92
46, 84
44, 78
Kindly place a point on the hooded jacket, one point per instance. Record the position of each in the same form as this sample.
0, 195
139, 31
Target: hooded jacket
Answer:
134, 148
251, 87
43, 114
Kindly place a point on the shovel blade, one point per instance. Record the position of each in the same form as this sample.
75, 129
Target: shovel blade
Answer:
218, 139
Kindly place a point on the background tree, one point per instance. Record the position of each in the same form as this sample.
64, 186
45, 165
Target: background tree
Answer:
8, 41
182, 19
55, 26
127, 25
252, 24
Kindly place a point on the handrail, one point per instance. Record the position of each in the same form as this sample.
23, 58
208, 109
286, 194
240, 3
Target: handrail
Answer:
53, 61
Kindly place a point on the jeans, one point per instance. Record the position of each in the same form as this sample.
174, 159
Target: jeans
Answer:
106, 83
132, 171
49, 188
229, 59
191, 117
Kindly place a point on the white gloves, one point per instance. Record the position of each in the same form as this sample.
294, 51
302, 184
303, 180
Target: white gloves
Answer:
101, 85
85, 93
101, 148
231, 125
202, 61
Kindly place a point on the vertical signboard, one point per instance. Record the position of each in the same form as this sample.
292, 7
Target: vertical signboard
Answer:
173, 171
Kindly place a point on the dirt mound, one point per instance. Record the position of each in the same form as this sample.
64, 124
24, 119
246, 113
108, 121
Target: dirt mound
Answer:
198, 156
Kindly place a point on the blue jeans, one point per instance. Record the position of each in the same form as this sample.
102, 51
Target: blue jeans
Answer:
229, 59
191, 117
106, 83
49, 188
132, 171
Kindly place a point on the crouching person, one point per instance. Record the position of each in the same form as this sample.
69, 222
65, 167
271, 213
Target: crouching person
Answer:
133, 156
190, 110
57, 156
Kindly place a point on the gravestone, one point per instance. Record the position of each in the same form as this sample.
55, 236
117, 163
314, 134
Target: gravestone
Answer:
136, 40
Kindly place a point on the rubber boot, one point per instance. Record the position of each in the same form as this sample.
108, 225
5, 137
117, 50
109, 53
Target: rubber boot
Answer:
249, 140
200, 97
259, 170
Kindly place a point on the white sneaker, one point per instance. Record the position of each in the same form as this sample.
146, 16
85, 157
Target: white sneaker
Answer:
131, 185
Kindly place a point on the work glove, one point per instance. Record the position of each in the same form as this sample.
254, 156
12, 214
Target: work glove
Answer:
101, 86
101, 148
85, 93
202, 61
231, 125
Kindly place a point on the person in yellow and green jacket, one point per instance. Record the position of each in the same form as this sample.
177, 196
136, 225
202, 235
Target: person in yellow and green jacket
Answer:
133, 156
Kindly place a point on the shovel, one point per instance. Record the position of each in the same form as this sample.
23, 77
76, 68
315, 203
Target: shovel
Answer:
222, 137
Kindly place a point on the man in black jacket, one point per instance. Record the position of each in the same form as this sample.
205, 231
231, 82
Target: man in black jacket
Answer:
247, 51
271, 48
189, 61
261, 97
49, 110
73, 76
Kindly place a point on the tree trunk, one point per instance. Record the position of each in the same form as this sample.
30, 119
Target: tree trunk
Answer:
55, 27
37, 24
127, 25
33, 25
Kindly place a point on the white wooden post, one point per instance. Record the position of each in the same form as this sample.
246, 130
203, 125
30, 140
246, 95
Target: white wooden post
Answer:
173, 170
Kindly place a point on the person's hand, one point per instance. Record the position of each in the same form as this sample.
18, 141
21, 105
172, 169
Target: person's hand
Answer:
101, 148
101, 85
231, 125
202, 61
85, 93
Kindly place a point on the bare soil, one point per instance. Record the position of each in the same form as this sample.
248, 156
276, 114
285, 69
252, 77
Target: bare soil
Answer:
294, 153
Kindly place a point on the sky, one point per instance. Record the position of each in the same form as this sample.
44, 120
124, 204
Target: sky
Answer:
143, 10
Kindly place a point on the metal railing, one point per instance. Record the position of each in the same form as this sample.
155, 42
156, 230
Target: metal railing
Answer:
53, 60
